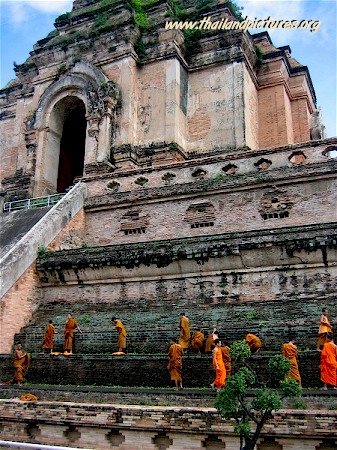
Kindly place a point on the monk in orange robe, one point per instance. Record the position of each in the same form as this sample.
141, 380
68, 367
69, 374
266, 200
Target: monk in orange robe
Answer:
209, 344
175, 364
226, 357
21, 365
219, 367
197, 340
48, 340
70, 326
121, 343
290, 352
329, 363
185, 335
254, 342
324, 329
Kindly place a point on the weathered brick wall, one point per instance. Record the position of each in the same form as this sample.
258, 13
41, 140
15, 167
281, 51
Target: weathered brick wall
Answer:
71, 235
17, 306
274, 117
251, 96
216, 108
301, 120
145, 428
234, 212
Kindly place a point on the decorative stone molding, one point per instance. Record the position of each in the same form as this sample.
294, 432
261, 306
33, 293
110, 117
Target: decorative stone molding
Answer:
275, 204
200, 215
133, 222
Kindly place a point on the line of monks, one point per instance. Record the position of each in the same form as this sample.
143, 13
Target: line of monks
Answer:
198, 343
221, 353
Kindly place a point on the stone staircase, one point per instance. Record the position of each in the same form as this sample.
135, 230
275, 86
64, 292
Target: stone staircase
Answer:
34, 228
149, 328
146, 370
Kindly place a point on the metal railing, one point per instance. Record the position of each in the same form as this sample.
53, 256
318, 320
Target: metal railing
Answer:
36, 202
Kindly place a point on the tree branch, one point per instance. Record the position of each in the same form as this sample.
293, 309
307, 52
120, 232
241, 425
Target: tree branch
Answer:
249, 414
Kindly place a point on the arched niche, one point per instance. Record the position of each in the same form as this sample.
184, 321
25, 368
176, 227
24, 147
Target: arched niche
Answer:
76, 109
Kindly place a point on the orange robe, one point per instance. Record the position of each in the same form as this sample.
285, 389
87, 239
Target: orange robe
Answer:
175, 364
227, 359
48, 340
20, 367
121, 343
197, 340
220, 374
290, 352
253, 341
185, 335
69, 328
209, 344
329, 364
323, 330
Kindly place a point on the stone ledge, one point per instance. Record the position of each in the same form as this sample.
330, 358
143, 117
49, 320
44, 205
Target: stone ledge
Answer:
312, 399
201, 248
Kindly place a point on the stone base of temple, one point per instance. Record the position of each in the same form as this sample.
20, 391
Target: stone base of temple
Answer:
103, 424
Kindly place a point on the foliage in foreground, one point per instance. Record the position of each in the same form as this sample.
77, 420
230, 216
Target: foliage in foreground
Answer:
233, 401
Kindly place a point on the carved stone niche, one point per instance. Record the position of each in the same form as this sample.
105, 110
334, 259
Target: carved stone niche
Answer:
330, 151
229, 169
200, 215
134, 222
297, 157
275, 204
263, 164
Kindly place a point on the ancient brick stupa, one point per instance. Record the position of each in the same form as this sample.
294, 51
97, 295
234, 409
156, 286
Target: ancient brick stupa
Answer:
196, 182
145, 172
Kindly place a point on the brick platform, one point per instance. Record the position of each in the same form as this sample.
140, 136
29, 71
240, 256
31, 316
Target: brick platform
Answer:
93, 426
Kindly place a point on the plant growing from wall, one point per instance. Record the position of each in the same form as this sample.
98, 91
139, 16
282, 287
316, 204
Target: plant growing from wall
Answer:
42, 251
61, 69
173, 146
259, 60
140, 14
63, 19
24, 68
233, 402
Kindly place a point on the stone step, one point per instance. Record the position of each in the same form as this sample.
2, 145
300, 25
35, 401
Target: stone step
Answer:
188, 397
135, 370
157, 341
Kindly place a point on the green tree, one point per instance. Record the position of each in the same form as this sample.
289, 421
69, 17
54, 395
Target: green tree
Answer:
235, 401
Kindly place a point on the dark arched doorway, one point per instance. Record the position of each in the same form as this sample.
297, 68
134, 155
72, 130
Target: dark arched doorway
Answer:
72, 143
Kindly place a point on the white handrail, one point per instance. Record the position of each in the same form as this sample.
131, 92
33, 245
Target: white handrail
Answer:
35, 202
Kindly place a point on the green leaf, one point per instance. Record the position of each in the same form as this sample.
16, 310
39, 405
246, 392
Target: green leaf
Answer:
267, 400
290, 388
279, 366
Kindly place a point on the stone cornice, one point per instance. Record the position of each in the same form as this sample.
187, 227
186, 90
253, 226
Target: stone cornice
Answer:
162, 253
281, 175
